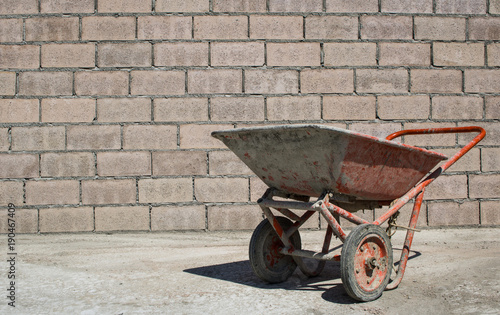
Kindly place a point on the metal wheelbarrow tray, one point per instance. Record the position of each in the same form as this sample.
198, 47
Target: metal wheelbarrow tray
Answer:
346, 171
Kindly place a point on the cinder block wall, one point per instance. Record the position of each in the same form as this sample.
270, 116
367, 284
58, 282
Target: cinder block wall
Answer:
107, 105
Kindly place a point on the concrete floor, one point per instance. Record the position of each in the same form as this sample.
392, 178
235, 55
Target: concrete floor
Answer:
451, 271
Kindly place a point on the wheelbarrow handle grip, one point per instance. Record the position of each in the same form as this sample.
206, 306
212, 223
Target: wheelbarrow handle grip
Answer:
459, 154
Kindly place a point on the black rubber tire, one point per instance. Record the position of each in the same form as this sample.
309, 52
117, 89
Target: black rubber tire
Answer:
363, 281
266, 262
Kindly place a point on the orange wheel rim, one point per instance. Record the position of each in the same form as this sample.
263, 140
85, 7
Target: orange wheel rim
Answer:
371, 263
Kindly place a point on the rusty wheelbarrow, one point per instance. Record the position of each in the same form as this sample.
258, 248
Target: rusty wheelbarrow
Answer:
346, 171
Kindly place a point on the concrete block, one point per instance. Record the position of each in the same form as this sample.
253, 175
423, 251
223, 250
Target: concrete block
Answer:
482, 28
181, 54
108, 191
93, 137
276, 27
157, 137
214, 81
490, 159
458, 54
271, 81
386, 27
295, 5
122, 219
124, 55
11, 30
72, 110
182, 5
239, 5
404, 54
220, 27
38, 138
46, 83
18, 165
18, 6
460, 7
339, 6
52, 192
181, 109
108, 28
66, 6
482, 80
123, 6
457, 107
176, 163
79, 219
226, 163
26, 221
19, 110
198, 136
350, 54
349, 107
331, 27
124, 109
382, 81
67, 164
12, 192
406, 6
124, 163
484, 186
168, 218
238, 54
237, 109
19, 57
164, 27
447, 187
293, 54
453, 213
68, 55
294, 108
158, 83
221, 189
490, 213
163, 190
439, 28
52, 29
233, 217
436, 81
101, 82
403, 107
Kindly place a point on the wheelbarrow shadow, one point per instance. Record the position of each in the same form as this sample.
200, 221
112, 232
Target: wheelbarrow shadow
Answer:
328, 282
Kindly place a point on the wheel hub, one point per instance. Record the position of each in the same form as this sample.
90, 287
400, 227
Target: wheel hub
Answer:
370, 263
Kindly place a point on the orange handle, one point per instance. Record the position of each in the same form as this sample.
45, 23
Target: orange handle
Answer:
459, 154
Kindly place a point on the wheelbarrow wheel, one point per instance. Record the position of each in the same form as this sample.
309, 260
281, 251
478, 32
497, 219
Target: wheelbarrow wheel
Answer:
266, 260
366, 262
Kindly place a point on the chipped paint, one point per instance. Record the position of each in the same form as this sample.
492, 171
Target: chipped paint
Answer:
339, 161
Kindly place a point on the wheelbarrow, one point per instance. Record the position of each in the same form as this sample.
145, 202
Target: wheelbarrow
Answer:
344, 171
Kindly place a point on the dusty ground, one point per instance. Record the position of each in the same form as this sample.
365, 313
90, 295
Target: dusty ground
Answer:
451, 272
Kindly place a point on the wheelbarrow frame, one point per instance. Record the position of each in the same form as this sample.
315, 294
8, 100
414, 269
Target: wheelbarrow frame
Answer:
328, 206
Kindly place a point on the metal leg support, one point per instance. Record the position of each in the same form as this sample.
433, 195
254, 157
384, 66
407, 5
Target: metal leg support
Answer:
407, 244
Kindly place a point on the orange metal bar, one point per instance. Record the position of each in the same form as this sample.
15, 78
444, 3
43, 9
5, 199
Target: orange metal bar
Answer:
417, 189
324, 206
465, 149
407, 244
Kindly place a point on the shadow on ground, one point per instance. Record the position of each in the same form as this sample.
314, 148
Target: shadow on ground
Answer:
328, 281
